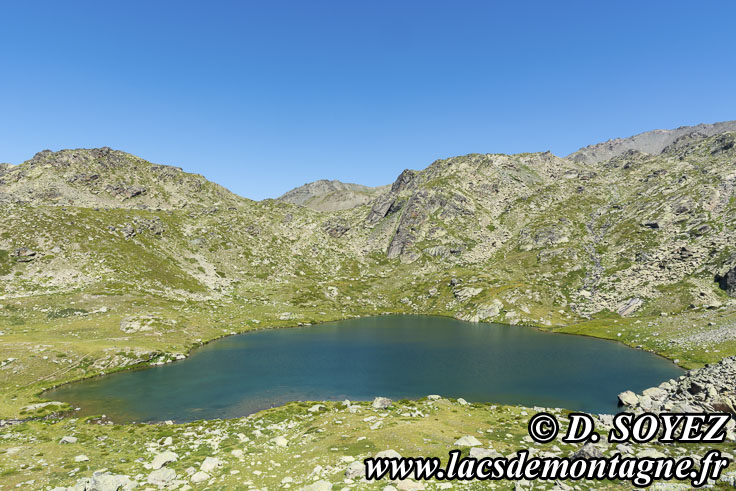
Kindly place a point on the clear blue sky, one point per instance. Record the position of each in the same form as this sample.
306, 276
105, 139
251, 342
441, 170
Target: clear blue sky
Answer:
264, 96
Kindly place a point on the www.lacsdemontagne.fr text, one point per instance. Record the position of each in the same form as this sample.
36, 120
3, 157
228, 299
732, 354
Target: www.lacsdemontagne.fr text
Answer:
640, 472
544, 428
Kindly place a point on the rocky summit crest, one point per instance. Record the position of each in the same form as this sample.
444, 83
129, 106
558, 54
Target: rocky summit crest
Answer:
103, 177
651, 142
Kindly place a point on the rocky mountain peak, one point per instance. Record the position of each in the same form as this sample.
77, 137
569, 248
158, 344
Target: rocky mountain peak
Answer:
330, 195
651, 142
103, 177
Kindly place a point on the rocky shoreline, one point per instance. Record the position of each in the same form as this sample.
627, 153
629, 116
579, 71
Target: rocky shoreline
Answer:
708, 389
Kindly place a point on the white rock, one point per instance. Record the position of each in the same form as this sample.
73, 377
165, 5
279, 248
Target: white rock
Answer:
462, 401
280, 441
468, 441
200, 477
81, 458
68, 439
434, 397
409, 485
355, 470
484, 453
319, 486
381, 403
237, 453
210, 464
655, 393
162, 459
161, 476
391, 454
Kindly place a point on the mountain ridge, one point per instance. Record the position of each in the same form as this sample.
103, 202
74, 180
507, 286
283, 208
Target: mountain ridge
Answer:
652, 142
330, 195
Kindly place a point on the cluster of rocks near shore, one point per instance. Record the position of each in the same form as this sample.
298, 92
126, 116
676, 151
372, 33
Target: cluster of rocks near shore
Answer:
708, 389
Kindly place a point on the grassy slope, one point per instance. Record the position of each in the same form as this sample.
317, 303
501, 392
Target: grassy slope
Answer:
318, 444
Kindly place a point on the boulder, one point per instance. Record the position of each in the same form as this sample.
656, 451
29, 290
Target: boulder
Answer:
409, 485
381, 403
388, 454
355, 470
484, 453
628, 398
210, 464
162, 459
587, 451
467, 441
655, 393
280, 441
199, 476
161, 476
466, 293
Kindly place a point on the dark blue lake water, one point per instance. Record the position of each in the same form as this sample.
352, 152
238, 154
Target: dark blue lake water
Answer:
391, 356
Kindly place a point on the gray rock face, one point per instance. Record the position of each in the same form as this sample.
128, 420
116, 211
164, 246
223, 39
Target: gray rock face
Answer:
404, 181
336, 228
652, 142
727, 282
629, 307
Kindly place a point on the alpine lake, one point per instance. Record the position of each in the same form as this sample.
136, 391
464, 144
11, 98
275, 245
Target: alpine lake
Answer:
400, 357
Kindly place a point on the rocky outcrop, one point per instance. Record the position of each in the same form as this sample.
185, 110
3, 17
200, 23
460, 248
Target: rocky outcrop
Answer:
336, 228
24, 255
708, 389
727, 281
